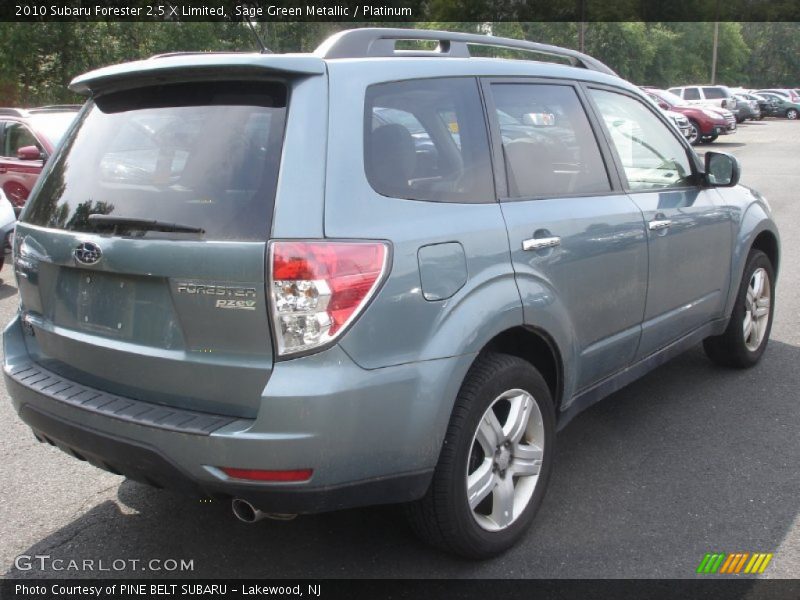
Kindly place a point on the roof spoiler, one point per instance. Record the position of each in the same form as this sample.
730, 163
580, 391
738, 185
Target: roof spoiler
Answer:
187, 67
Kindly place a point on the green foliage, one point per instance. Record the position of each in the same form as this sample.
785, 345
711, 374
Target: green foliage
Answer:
40, 59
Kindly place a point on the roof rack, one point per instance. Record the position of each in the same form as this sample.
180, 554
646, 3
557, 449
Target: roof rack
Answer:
14, 112
191, 53
55, 108
372, 42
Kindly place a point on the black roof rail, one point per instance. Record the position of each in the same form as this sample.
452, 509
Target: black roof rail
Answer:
14, 112
373, 41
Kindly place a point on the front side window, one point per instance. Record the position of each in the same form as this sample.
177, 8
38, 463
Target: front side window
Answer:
203, 155
548, 144
651, 155
426, 139
17, 136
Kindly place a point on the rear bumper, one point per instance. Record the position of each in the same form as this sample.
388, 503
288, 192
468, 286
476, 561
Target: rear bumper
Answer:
370, 436
147, 464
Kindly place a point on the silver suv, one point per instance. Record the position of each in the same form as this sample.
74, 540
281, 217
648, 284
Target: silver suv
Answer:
369, 275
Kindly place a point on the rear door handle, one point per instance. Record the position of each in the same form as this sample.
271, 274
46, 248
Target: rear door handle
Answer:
541, 243
659, 224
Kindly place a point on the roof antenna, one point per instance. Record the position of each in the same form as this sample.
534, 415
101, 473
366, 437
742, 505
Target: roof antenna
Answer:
264, 49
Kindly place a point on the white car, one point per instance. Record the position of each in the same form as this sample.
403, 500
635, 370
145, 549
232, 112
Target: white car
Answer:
716, 96
8, 220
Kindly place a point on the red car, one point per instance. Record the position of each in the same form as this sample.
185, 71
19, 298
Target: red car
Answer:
707, 123
27, 139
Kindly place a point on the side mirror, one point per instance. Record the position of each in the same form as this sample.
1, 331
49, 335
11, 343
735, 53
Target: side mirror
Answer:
664, 105
722, 170
30, 153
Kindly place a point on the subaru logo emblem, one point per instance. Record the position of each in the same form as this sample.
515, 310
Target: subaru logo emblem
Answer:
88, 253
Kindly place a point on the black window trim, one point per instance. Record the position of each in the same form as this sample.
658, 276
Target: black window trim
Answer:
367, 124
501, 170
694, 161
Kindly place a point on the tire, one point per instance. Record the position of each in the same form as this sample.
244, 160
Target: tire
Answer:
792, 114
694, 137
496, 387
736, 347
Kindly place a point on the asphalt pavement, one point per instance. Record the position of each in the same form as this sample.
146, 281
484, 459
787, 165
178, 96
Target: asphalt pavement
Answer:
691, 459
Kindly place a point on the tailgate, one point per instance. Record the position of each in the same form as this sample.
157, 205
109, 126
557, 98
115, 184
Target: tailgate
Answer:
141, 257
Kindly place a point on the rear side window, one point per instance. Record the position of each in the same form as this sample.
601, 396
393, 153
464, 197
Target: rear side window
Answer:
203, 155
714, 93
691, 94
426, 139
548, 144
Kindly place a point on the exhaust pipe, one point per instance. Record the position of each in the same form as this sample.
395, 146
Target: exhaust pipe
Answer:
247, 513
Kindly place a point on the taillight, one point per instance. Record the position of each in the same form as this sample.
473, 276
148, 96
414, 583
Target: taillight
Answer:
318, 288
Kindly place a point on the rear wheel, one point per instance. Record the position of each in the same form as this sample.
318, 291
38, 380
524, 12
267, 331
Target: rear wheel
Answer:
495, 461
747, 334
792, 114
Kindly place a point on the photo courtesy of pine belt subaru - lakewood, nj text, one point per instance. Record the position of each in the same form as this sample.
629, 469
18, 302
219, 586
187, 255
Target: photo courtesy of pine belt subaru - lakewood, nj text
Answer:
367, 275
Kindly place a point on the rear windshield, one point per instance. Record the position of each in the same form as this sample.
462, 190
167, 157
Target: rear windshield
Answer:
201, 155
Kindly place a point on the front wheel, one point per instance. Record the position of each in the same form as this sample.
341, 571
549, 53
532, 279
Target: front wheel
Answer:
792, 114
747, 334
495, 461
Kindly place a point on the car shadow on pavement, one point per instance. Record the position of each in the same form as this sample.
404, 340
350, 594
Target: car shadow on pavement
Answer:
7, 289
719, 144
691, 459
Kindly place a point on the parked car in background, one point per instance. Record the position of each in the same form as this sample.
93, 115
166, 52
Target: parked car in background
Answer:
766, 106
27, 139
783, 105
719, 96
706, 123
789, 93
746, 109
681, 122
8, 220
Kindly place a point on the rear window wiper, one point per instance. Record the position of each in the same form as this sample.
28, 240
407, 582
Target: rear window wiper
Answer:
123, 223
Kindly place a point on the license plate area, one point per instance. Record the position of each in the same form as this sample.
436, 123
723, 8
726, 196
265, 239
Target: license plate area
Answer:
105, 303
133, 308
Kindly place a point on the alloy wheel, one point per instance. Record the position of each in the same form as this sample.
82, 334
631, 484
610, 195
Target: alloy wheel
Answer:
757, 309
505, 460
